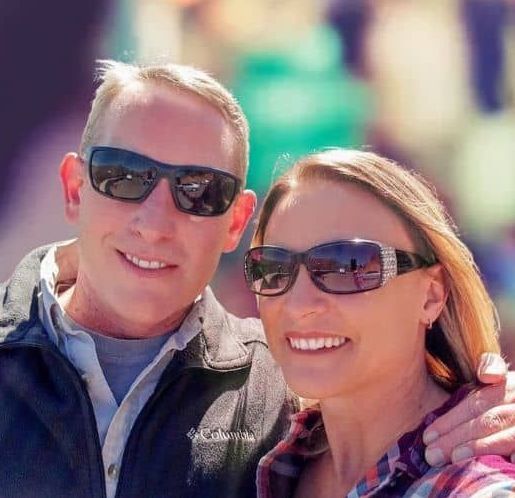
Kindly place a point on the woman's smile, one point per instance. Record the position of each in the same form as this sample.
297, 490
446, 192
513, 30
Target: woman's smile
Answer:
318, 341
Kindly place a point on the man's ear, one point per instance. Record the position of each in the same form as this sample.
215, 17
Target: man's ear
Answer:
72, 179
242, 211
437, 292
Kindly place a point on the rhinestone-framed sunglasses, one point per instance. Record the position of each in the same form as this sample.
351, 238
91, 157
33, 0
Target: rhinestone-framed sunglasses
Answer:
339, 267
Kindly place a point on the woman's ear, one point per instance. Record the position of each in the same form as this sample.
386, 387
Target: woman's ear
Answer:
436, 295
72, 179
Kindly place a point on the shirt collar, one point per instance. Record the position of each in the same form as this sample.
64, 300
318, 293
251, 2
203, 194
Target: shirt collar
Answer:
411, 446
58, 270
307, 438
206, 333
49, 308
405, 459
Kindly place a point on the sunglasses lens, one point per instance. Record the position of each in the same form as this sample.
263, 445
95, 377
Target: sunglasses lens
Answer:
120, 174
125, 175
346, 267
204, 193
268, 270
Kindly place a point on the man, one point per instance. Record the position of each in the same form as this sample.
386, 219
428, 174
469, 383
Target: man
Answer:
120, 373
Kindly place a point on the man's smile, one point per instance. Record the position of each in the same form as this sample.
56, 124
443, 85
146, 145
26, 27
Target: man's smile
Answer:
145, 264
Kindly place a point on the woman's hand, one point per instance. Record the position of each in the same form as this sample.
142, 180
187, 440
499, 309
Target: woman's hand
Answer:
483, 423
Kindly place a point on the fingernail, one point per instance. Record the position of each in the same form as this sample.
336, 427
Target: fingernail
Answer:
434, 457
429, 436
492, 364
461, 453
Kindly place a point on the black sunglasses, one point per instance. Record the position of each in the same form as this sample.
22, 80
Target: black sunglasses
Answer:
341, 267
127, 176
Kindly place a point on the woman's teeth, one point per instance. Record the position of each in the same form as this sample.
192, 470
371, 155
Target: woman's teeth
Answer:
313, 344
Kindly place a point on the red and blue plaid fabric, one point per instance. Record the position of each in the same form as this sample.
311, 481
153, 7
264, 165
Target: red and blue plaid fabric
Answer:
401, 472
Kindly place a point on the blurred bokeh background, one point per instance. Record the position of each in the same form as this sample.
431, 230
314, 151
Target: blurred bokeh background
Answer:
430, 83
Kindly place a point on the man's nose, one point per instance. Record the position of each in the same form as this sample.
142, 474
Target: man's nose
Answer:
156, 217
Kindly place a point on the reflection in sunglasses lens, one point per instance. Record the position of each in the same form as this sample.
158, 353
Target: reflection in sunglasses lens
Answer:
125, 175
346, 267
269, 270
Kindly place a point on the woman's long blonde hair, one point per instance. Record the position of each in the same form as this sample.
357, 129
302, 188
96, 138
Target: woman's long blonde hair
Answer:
468, 324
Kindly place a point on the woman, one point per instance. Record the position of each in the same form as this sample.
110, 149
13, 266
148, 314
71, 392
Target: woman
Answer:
372, 305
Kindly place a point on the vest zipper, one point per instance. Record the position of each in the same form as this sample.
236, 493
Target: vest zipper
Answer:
138, 422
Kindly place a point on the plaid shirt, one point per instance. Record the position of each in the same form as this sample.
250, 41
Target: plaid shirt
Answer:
402, 471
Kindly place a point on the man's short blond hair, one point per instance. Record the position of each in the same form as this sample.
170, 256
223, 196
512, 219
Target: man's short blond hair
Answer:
115, 76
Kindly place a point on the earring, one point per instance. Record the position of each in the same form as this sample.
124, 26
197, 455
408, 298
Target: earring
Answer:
429, 324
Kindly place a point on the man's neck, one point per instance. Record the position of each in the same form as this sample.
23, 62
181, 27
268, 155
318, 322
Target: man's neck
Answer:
89, 314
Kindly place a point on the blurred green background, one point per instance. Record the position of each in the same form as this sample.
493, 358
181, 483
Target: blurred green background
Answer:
429, 83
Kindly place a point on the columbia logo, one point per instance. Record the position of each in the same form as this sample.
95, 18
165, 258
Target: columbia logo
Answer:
205, 434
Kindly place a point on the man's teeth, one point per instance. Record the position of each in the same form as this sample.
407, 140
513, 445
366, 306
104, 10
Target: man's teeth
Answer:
316, 343
143, 263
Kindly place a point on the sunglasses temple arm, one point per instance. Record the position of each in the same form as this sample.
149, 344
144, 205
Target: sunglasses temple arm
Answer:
407, 262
